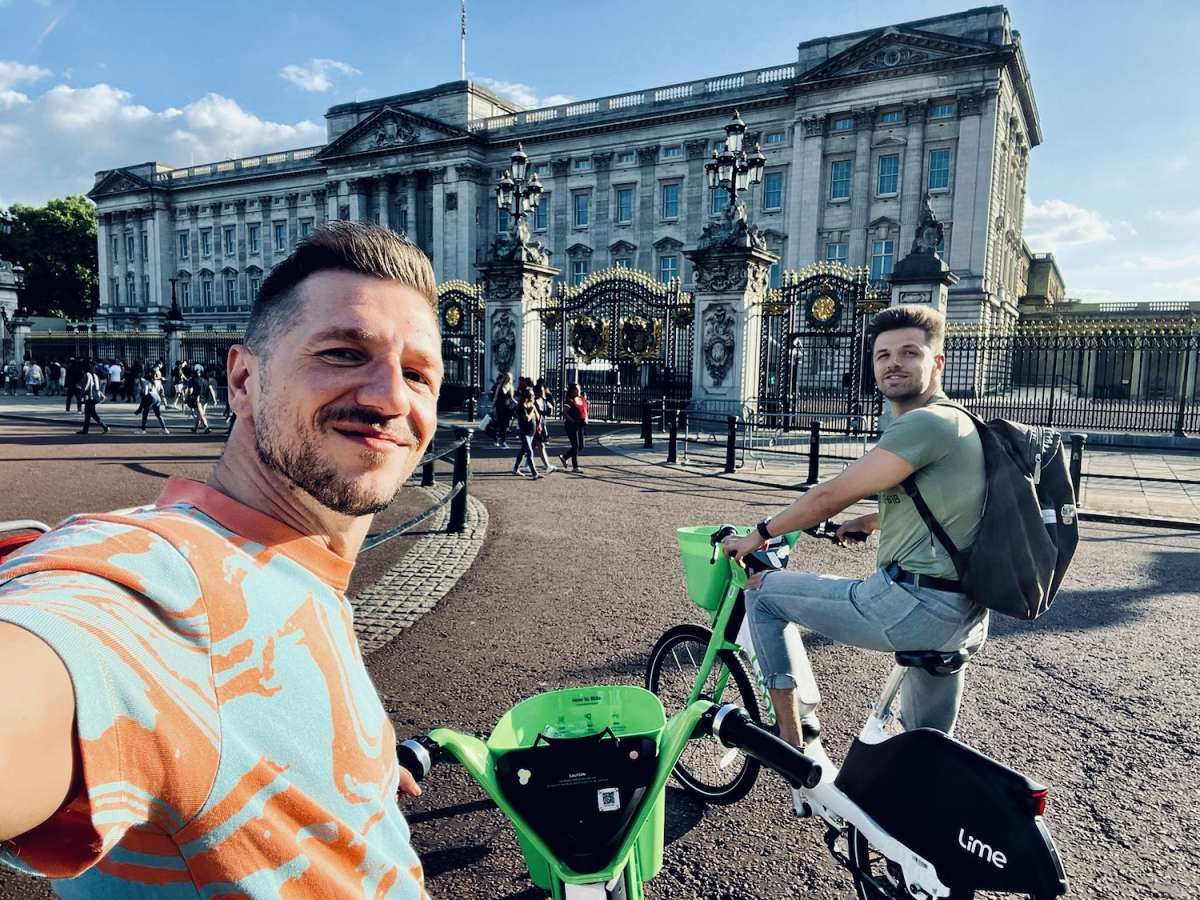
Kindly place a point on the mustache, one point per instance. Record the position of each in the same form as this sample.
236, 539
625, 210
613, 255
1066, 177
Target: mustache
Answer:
358, 415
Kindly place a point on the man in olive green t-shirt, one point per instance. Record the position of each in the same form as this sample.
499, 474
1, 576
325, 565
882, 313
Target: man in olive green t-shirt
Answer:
913, 601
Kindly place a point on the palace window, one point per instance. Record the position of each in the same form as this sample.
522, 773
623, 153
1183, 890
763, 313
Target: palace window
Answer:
839, 180
145, 245
306, 227
891, 115
622, 263
503, 221
579, 270
835, 251
252, 238
775, 137
582, 164
230, 240
542, 168
845, 123
541, 213
280, 237
116, 249
882, 256
773, 276
625, 205
115, 290
206, 242
582, 209
889, 174
939, 169
941, 110
675, 152
206, 293
255, 284
670, 200
185, 293
773, 190
668, 268
129, 247
145, 292
183, 244
130, 292
718, 199
626, 157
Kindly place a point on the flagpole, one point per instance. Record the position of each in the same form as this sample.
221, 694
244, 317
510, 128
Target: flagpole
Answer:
462, 42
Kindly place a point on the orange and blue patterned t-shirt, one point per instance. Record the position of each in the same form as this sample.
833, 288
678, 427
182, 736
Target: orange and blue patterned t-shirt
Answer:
231, 741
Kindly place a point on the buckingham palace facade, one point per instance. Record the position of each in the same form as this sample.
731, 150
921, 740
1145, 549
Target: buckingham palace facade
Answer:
857, 130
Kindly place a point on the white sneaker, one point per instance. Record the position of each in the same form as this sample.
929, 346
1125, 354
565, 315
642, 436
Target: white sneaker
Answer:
166, 431
141, 431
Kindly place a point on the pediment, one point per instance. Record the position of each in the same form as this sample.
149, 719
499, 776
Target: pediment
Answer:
895, 49
119, 181
622, 247
883, 220
390, 129
667, 244
889, 142
579, 250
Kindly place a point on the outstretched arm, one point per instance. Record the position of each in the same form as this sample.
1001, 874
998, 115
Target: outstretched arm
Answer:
37, 741
876, 471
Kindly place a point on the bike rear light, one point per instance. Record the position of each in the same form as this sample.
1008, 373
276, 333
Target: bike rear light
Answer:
1039, 801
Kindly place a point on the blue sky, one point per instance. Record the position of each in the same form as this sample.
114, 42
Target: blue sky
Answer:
92, 84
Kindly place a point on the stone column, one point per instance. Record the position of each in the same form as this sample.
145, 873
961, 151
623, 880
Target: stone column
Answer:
560, 207
860, 189
293, 218
647, 185
266, 235
516, 284
912, 189
410, 199
162, 252
469, 196
357, 204
807, 195
331, 200
104, 262
383, 200
437, 222
602, 208
20, 332
732, 268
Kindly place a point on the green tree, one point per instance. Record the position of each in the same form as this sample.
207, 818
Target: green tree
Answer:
56, 244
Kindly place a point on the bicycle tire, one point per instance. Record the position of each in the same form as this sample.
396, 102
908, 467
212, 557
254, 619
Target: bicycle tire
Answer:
698, 769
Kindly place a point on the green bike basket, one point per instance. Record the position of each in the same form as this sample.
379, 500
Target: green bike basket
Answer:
706, 583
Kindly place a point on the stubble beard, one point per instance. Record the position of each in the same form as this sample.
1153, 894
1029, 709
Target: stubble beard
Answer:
301, 463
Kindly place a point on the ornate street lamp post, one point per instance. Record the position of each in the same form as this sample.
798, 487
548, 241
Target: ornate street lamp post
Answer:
518, 196
733, 169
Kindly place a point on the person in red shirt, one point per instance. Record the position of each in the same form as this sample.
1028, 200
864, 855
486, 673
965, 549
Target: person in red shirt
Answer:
575, 416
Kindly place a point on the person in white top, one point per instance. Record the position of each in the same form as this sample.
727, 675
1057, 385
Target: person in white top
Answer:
115, 374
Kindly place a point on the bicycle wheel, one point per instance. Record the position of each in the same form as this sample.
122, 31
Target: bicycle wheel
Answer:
872, 878
706, 769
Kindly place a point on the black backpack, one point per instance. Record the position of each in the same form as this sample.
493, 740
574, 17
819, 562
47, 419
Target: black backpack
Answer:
1029, 528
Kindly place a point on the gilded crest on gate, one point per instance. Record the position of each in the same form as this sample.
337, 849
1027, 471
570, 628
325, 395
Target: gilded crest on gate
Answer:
824, 310
640, 338
589, 337
452, 316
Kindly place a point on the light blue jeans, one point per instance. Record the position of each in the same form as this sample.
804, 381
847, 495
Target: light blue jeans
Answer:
874, 613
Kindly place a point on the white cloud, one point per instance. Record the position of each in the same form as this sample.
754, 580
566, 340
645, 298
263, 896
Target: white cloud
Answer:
521, 94
13, 73
54, 143
315, 76
1055, 224
1176, 216
1181, 289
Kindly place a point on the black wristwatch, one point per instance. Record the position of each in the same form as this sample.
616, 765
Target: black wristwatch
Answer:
762, 529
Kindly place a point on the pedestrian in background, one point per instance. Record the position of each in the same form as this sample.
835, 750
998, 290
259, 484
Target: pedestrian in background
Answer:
115, 376
33, 379
200, 394
527, 416
574, 418
92, 391
152, 403
503, 404
541, 435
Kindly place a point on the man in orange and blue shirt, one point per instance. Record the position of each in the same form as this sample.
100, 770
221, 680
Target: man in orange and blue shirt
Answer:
196, 718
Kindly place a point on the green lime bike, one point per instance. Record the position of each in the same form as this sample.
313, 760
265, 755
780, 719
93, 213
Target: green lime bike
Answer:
581, 775
912, 816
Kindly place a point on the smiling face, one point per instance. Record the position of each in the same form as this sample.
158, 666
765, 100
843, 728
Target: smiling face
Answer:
345, 401
906, 367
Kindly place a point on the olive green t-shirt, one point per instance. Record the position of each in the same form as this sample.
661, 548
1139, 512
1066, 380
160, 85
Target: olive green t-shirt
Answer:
941, 443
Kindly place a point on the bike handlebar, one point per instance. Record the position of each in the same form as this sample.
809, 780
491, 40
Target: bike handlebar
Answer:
734, 728
419, 755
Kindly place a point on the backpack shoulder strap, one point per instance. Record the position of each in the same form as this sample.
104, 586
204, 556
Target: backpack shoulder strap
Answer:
935, 527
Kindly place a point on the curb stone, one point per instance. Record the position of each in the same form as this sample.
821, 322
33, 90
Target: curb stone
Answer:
430, 569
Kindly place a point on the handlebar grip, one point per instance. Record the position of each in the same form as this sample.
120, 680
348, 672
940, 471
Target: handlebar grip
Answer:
734, 728
419, 755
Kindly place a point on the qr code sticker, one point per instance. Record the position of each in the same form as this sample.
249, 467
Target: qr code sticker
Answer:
608, 799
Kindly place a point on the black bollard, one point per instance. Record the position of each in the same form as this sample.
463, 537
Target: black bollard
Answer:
730, 443
673, 435
647, 427
462, 480
470, 409
1077, 442
814, 452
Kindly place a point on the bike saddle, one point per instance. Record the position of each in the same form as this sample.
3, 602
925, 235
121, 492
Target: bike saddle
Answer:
935, 662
